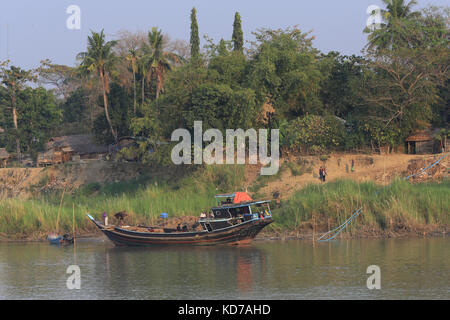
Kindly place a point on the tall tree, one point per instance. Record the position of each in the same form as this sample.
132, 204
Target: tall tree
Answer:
285, 72
14, 79
40, 115
392, 31
132, 57
159, 61
120, 112
238, 35
402, 82
100, 59
59, 76
195, 39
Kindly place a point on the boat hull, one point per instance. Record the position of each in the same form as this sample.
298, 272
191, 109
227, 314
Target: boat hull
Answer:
242, 233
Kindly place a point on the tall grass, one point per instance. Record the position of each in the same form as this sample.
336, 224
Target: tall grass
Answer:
143, 199
399, 206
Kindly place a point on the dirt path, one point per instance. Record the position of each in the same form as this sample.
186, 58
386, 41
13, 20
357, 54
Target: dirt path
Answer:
379, 168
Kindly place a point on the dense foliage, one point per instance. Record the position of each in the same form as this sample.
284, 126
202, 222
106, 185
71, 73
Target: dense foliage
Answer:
145, 85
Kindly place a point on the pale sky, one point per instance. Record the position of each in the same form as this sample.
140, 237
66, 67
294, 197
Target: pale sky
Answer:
31, 30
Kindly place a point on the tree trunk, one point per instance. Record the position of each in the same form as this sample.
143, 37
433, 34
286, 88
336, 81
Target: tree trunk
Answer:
13, 100
134, 102
143, 92
158, 85
105, 101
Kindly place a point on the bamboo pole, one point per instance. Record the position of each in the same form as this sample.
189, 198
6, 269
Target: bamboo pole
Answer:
73, 234
59, 211
73, 221
314, 228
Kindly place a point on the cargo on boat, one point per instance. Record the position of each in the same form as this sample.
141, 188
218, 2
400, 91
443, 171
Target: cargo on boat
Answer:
236, 220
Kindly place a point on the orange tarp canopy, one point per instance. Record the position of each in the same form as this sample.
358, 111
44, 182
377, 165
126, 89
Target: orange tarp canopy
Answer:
241, 197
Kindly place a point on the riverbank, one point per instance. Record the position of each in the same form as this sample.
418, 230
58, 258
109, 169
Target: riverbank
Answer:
270, 235
396, 210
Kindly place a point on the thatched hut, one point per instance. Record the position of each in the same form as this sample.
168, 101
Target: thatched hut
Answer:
421, 142
71, 148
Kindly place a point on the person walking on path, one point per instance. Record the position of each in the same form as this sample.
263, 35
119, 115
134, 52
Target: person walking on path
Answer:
324, 173
321, 174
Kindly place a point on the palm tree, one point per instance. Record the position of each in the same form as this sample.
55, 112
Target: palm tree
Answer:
390, 34
133, 57
14, 79
100, 59
142, 69
158, 61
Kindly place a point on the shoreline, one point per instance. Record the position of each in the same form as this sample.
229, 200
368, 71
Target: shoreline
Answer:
438, 232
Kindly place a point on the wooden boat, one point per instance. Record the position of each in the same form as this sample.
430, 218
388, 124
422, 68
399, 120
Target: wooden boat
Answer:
235, 221
60, 240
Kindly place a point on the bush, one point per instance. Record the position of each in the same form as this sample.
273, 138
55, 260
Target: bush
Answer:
90, 188
314, 134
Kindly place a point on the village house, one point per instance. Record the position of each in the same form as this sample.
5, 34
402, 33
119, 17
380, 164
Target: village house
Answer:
71, 148
424, 142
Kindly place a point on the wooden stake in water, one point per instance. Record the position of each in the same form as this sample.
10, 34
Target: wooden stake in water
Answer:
59, 211
73, 221
73, 234
314, 227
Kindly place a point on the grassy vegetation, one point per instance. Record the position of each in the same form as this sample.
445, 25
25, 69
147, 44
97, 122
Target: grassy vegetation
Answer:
398, 206
144, 199
401, 206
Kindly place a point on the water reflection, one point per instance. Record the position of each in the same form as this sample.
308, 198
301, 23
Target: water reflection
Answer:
411, 268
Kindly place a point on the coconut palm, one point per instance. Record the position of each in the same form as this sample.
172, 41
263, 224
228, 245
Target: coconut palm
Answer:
142, 69
100, 59
133, 58
391, 33
157, 60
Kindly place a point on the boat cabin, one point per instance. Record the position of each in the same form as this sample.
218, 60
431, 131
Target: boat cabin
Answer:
237, 208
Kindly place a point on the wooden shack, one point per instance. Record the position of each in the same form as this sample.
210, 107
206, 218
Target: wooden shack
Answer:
421, 142
44, 158
71, 148
4, 157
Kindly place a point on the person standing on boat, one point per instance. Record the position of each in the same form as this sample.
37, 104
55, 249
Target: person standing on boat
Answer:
105, 218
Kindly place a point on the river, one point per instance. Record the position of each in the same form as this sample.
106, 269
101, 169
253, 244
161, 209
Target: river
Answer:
416, 268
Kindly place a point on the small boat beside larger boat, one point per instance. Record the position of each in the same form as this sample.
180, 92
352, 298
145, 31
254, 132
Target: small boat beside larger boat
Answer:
60, 240
237, 220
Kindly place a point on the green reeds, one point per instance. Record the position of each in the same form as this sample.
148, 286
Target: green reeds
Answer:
400, 205
144, 200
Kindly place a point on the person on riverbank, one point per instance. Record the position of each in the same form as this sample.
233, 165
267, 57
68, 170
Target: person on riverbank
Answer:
324, 173
321, 174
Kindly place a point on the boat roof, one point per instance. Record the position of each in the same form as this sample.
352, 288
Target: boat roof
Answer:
239, 205
237, 197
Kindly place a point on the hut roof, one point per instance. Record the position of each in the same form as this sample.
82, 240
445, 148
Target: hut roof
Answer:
420, 136
81, 144
4, 154
47, 155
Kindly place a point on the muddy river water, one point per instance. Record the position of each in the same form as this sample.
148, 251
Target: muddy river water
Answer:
408, 269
